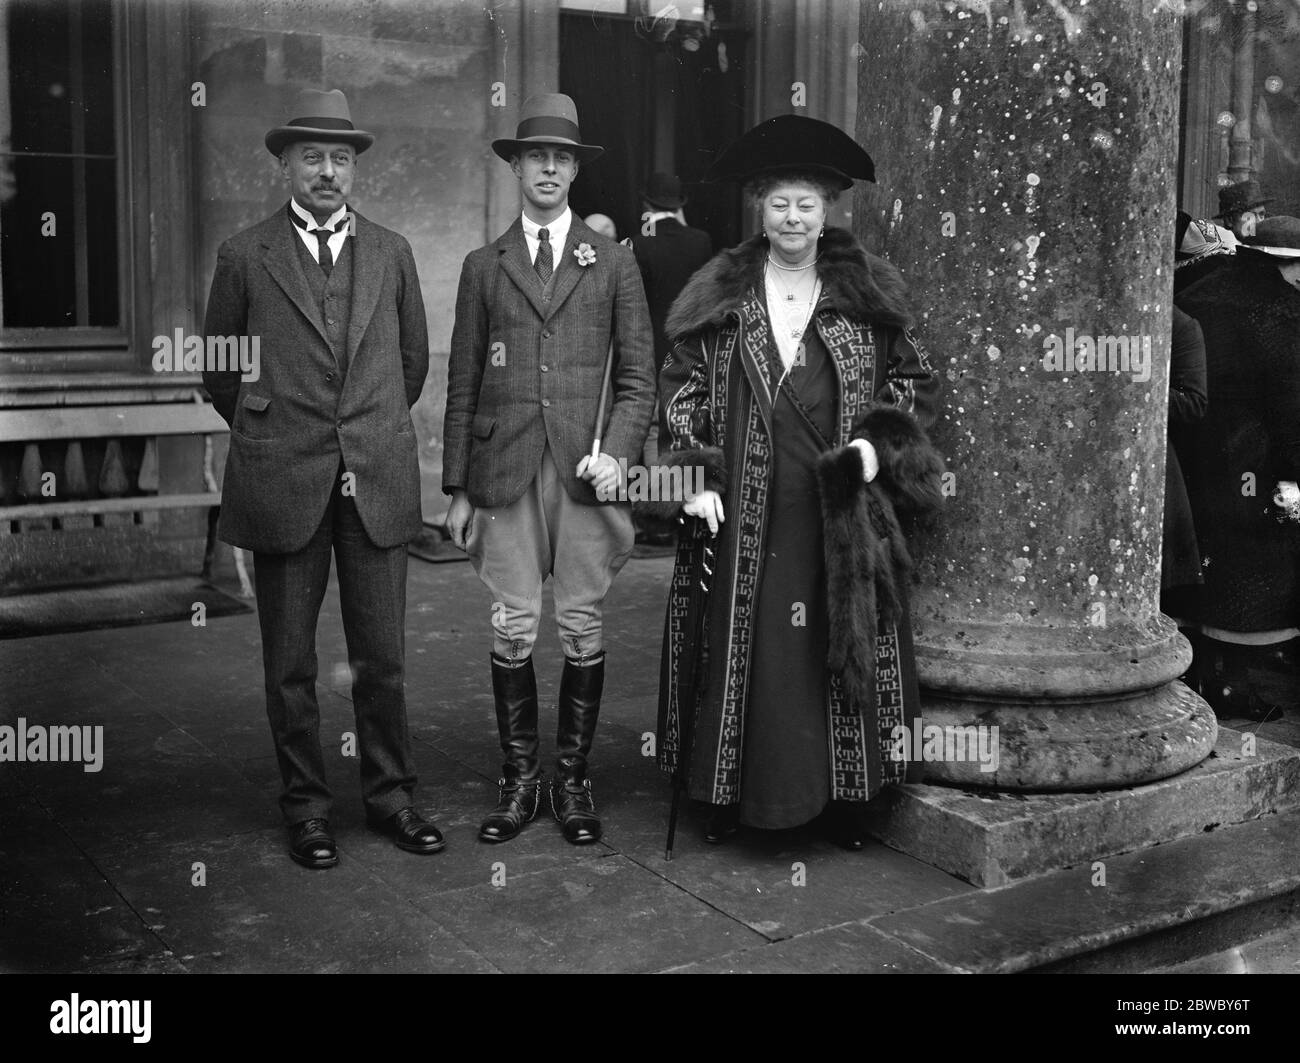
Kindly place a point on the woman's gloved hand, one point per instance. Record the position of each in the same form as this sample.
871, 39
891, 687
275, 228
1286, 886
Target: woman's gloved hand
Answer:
870, 463
708, 506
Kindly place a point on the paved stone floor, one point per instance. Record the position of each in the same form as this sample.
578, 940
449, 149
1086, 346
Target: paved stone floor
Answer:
172, 857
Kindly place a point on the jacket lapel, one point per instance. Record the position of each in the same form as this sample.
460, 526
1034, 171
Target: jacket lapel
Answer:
517, 266
281, 262
367, 280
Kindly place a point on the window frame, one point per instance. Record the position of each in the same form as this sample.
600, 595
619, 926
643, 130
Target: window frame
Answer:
116, 338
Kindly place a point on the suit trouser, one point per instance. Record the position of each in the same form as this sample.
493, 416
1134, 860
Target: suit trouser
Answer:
372, 592
546, 533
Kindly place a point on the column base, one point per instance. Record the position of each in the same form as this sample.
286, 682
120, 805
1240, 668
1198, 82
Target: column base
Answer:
990, 839
1054, 744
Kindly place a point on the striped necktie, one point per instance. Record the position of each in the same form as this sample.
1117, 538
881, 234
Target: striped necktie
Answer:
543, 263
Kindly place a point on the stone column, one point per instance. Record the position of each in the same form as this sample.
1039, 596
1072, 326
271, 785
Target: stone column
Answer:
1025, 156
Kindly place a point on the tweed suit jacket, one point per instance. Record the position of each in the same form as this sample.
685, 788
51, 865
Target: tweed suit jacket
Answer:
291, 427
525, 372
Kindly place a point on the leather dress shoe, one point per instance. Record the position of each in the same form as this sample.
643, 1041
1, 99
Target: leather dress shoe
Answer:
312, 845
723, 823
410, 832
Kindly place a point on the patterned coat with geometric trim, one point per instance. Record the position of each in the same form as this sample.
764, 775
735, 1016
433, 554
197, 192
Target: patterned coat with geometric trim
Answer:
716, 401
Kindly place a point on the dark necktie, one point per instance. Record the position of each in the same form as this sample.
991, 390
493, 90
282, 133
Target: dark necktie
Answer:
326, 257
322, 234
543, 263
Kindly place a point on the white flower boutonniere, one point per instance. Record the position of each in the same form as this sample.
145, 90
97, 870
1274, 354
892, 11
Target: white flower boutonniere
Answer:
585, 254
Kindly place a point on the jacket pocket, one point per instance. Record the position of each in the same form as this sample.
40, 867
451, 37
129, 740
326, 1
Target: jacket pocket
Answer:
251, 419
483, 426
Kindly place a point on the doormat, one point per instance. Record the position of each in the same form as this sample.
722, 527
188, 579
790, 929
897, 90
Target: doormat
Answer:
154, 601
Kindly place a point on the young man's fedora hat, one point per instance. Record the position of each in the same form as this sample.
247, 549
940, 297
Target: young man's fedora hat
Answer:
322, 116
548, 118
791, 142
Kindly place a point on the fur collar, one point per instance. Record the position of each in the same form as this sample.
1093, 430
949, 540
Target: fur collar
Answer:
855, 282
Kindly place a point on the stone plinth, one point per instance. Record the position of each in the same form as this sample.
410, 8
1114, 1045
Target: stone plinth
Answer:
990, 839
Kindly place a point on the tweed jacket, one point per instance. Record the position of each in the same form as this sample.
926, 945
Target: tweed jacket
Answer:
525, 372
291, 428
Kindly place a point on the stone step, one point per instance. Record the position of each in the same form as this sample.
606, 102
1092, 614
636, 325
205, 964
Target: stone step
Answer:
1161, 905
1275, 953
992, 839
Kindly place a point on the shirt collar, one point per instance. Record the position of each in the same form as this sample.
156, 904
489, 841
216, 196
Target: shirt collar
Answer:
333, 221
661, 215
557, 230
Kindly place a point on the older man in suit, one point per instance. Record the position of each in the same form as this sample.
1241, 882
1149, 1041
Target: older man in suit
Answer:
323, 460
542, 315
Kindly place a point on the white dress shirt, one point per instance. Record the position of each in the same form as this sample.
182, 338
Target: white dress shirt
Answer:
309, 233
558, 231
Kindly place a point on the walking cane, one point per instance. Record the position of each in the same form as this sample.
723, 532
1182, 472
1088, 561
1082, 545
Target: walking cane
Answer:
600, 406
699, 600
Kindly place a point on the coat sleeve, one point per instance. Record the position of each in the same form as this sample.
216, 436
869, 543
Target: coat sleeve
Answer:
686, 430
906, 405
227, 315
910, 384
412, 325
632, 379
464, 375
646, 267
1186, 370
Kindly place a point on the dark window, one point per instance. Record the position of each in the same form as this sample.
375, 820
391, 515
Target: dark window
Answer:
59, 195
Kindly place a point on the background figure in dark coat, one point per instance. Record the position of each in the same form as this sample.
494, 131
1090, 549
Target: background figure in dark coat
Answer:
1240, 456
323, 461
668, 254
1180, 561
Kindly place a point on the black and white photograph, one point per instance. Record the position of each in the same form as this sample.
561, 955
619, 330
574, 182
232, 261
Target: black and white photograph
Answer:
635, 487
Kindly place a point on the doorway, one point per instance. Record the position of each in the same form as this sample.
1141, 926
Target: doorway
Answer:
656, 96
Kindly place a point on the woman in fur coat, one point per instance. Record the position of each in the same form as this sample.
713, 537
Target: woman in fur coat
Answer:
796, 384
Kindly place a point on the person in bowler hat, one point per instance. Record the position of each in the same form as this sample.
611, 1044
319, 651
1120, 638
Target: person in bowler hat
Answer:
668, 251
1241, 207
323, 460
551, 347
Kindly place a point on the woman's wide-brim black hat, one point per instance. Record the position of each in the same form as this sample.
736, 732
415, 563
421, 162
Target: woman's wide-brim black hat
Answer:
792, 143
1278, 237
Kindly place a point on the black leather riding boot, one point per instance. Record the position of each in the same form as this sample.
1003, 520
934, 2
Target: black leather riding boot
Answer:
580, 689
515, 690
